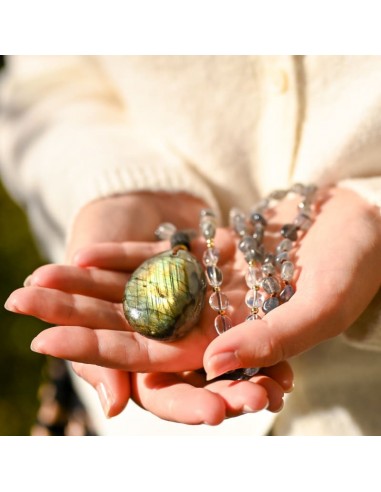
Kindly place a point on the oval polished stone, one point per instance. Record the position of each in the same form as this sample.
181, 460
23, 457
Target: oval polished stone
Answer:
164, 296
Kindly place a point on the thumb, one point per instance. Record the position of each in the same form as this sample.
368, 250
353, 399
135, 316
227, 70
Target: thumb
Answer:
286, 331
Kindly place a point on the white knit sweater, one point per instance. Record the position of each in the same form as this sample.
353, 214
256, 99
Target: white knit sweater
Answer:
227, 129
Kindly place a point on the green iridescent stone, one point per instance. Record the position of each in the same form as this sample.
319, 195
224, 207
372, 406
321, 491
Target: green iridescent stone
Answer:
164, 296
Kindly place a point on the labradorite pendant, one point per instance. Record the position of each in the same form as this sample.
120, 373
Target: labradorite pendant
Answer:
164, 296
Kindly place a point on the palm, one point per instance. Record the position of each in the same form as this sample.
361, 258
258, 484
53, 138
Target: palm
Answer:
85, 304
338, 273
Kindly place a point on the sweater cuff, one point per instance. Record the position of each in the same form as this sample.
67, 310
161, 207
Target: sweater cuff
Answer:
367, 188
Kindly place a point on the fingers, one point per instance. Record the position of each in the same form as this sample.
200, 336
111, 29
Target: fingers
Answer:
241, 396
112, 386
117, 349
125, 256
92, 282
274, 391
175, 397
168, 397
54, 306
281, 373
245, 396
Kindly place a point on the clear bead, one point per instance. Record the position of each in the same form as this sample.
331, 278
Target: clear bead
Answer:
303, 221
165, 230
207, 212
305, 205
222, 323
310, 190
261, 205
219, 301
250, 371
208, 228
214, 275
211, 256
257, 218
269, 258
278, 194
237, 220
282, 257
271, 285
268, 269
253, 299
298, 188
254, 255
247, 243
270, 304
259, 233
287, 271
253, 277
284, 245
253, 316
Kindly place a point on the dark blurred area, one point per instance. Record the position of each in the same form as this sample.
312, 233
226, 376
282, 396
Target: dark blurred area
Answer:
21, 370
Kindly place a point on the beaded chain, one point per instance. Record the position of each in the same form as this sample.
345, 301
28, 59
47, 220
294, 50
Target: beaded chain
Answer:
269, 275
218, 300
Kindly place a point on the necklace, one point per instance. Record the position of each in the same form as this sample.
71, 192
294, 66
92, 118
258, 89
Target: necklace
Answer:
164, 296
269, 274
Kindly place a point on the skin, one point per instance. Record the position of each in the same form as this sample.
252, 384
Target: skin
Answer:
337, 276
84, 303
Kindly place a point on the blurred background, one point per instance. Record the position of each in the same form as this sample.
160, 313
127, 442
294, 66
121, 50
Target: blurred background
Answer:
21, 370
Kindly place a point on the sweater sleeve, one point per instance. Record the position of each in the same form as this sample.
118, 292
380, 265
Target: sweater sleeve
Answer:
66, 139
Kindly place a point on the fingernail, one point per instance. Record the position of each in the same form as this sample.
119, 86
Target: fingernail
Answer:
10, 304
280, 408
35, 346
27, 281
290, 389
105, 398
248, 409
220, 363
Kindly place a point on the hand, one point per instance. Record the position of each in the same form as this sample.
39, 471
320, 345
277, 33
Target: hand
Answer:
55, 293
114, 219
339, 273
87, 307
118, 218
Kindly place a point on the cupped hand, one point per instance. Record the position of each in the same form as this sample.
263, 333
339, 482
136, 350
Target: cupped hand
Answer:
87, 300
57, 292
85, 305
339, 272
